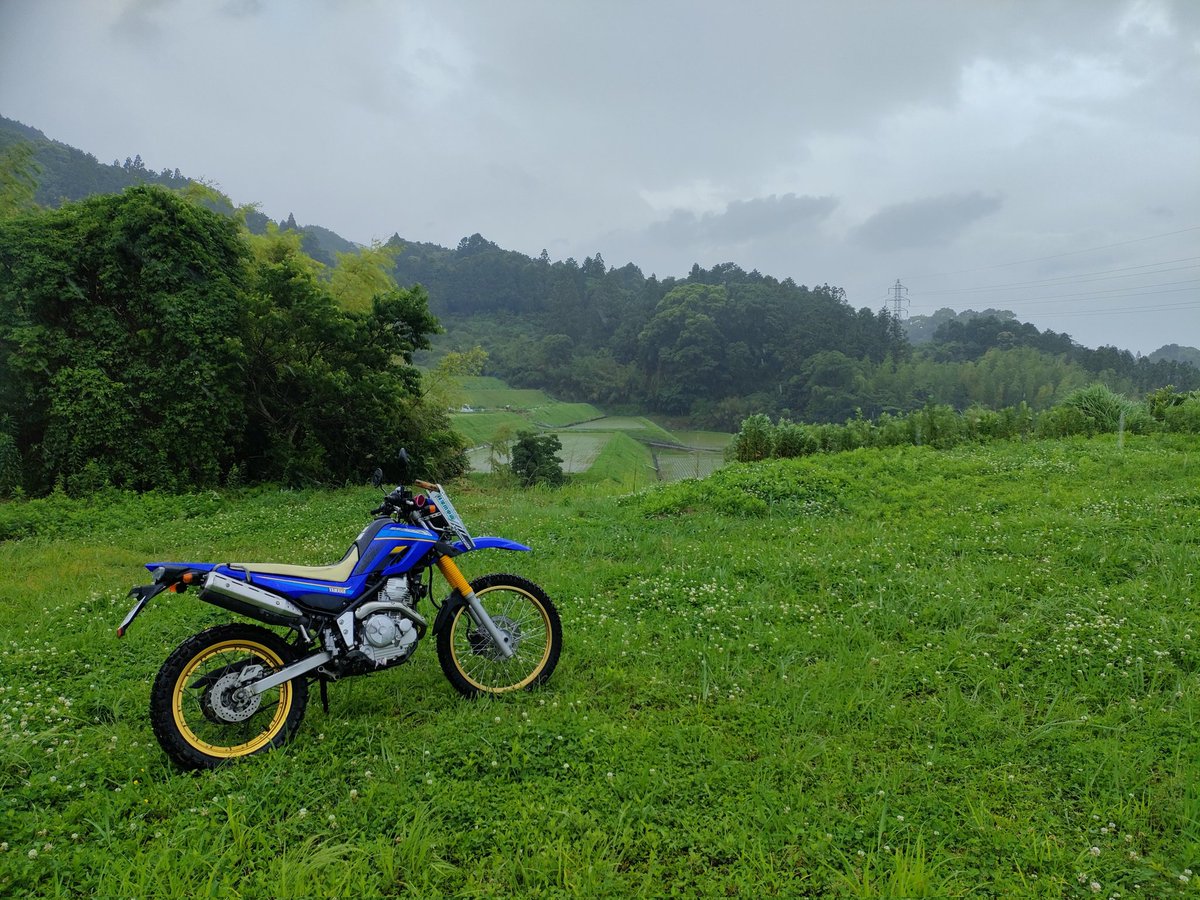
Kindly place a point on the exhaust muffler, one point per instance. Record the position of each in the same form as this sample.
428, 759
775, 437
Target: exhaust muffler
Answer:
235, 595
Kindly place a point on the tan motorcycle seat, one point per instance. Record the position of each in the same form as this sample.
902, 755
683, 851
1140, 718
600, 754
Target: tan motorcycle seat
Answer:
338, 571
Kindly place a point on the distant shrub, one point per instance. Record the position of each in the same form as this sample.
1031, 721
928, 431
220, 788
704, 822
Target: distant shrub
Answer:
1184, 417
1103, 409
939, 426
793, 439
756, 440
1089, 411
1064, 421
10, 466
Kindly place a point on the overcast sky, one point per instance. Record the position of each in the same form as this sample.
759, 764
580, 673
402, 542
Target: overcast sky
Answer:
1049, 150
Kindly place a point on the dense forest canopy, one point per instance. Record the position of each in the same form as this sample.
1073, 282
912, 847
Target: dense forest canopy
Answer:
149, 342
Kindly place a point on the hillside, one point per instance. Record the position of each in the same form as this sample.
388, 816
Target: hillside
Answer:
714, 346
66, 174
917, 674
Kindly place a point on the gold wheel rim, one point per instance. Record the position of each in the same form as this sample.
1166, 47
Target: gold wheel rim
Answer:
180, 692
542, 619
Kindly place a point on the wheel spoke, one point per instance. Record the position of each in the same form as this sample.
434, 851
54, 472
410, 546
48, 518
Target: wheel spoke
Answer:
208, 709
522, 619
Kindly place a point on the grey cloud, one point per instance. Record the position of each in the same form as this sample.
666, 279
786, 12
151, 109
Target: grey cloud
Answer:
138, 20
743, 220
928, 222
546, 124
242, 8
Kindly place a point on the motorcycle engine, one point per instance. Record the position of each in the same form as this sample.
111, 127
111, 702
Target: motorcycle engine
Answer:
388, 636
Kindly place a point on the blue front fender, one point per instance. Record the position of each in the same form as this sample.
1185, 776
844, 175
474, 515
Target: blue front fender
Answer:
492, 543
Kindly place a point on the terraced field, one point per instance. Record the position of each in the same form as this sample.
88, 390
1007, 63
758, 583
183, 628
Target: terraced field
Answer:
495, 411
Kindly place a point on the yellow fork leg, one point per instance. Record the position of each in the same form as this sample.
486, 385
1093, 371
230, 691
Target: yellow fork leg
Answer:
452, 574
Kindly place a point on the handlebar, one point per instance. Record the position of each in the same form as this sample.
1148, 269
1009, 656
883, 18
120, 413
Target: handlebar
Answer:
393, 501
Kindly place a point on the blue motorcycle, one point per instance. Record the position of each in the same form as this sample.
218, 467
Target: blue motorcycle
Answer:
238, 689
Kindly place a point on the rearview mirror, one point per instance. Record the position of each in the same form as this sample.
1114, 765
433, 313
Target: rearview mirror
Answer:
377, 478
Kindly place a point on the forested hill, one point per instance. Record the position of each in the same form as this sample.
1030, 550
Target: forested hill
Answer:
709, 345
717, 345
724, 343
65, 174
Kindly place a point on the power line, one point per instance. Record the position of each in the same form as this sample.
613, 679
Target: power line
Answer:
1120, 292
1080, 278
1163, 307
1017, 262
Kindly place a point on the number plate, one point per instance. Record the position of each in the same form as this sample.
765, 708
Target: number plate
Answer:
453, 519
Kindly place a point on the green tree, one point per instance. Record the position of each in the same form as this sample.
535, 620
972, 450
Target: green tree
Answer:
329, 389
18, 180
535, 459
756, 440
362, 275
121, 322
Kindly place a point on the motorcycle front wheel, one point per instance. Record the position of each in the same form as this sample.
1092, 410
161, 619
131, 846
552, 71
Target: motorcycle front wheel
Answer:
199, 715
470, 658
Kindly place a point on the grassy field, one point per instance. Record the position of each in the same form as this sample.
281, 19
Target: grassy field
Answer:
908, 673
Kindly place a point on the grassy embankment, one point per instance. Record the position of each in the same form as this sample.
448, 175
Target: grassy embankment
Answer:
882, 673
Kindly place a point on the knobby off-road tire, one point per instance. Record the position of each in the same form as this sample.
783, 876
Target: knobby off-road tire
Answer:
196, 717
469, 657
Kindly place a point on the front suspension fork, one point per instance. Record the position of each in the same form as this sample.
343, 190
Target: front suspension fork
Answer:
455, 578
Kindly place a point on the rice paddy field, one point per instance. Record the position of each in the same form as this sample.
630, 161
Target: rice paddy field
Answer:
884, 673
496, 413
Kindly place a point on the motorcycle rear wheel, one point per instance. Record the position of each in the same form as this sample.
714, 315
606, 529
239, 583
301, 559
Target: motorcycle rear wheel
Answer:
197, 715
470, 659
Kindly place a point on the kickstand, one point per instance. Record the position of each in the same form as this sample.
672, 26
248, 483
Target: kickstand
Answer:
325, 695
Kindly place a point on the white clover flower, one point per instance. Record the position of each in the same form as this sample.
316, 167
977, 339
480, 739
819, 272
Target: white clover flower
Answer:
302, 812
1095, 851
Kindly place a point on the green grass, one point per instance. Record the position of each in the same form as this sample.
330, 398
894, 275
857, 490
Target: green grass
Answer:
480, 427
556, 415
623, 463
635, 426
579, 451
875, 674
493, 394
